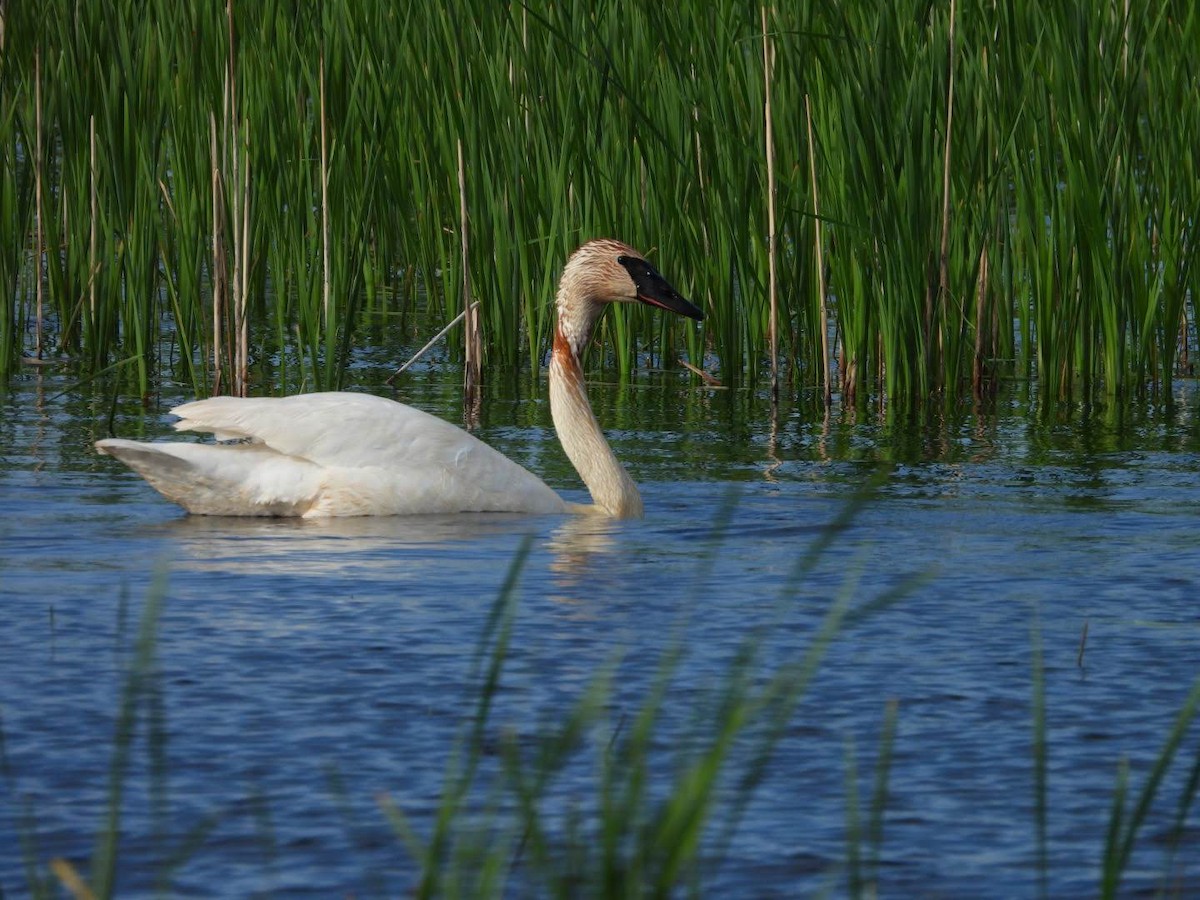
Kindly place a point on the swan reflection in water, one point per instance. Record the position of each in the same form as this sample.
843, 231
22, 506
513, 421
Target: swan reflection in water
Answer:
577, 545
380, 550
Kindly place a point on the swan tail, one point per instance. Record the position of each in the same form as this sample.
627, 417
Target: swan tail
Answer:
222, 480
217, 416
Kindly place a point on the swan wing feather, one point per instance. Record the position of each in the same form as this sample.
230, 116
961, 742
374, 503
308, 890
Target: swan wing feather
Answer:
223, 480
374, 456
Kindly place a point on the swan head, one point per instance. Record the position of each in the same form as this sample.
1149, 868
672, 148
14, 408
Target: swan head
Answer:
607, 271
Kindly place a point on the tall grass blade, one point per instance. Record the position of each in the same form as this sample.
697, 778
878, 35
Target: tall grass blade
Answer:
491, 653
879, 795
1040, 756
1125, 824
137, 682
854, 868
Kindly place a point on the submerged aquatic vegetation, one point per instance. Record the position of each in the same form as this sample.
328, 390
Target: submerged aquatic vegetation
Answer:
1004, 190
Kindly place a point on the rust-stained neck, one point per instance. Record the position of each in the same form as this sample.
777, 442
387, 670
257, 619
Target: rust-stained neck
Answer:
583, 283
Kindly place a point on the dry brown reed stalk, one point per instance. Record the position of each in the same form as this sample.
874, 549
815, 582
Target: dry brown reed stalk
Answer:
219, 263
943, 289
94, 233
1183, 341
326, 287
881, 373
433, 340
69, 877
709, 380
39, 162
230, 157
819, 254
982, 331
472, 343
773, 327
241, 267
239, 165
243, 274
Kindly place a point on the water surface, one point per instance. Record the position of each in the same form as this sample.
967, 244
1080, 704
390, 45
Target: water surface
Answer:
304, 669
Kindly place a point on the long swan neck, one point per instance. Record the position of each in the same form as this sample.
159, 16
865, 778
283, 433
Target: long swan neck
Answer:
612, 490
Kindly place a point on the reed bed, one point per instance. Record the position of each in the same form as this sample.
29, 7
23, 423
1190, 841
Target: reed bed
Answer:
193, 191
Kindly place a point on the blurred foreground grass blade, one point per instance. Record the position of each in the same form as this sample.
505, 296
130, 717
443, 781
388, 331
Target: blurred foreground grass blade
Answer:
641, 831
854, 874
879, 794
1187, 798
1125, 824
137, 682
862, 874
1040, 755
434, 854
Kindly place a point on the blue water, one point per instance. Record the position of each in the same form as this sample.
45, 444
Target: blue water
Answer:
304, 670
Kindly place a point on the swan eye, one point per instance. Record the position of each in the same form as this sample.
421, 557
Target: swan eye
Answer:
637, 267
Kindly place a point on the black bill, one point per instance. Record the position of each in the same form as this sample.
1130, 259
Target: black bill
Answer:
653, 289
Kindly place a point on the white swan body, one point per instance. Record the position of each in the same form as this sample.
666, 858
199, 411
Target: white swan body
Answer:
348, 454
331, 454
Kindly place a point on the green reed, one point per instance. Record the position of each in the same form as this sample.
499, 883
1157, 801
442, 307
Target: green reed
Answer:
1005, 190
1126, 823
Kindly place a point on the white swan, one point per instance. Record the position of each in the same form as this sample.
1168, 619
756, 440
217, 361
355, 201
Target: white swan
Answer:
345, 454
